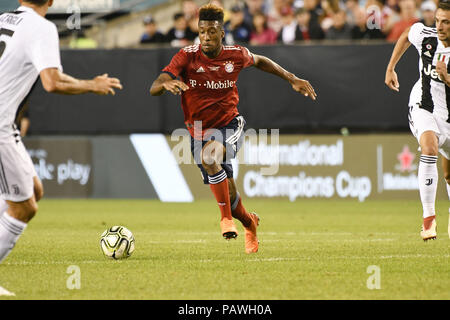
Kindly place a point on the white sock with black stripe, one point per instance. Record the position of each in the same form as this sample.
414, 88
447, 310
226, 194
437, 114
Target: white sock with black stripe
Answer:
10, 231
428, 177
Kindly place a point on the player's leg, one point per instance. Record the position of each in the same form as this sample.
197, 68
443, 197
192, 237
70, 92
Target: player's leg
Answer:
38, 188
250, 221
237, 209
13, 222
38, 194
20, 187
15, 216
23, 211
212, 156
428, 177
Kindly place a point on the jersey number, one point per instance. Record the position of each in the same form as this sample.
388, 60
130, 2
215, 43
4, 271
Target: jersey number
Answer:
5, 32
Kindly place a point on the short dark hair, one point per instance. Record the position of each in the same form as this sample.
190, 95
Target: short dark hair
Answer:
37, 2
210, 12
444, 5
177, 16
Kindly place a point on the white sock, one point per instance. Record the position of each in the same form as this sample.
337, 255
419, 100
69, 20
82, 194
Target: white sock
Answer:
3, 206
10, 231
428, 177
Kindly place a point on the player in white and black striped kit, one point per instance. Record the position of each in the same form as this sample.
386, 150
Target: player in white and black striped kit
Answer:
29, 47
429, 106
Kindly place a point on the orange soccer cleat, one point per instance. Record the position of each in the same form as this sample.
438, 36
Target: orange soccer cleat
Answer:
251, 240
228, 228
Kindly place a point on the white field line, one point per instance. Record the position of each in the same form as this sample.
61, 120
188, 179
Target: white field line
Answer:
36, 263
288, 233
333, 240
277, 259
399, 256
4, 292
177, 241
277, 234
273, 259
412, 256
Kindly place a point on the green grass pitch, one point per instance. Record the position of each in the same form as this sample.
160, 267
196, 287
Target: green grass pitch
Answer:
309, 249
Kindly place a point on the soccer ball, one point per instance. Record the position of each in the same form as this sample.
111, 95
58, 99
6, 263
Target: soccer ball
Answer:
117, 242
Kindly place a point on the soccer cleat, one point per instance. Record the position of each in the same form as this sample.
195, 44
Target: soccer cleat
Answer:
228, 228
430, 232
251, 240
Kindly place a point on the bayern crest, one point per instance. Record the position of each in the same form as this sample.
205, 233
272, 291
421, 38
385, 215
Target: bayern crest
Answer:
229, 66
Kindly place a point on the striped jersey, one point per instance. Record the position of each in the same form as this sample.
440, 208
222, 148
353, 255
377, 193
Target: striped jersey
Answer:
212, 97
429, 92
28, 44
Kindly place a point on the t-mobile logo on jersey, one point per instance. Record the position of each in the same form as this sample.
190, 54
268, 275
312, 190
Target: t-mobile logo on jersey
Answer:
213, 84
220, 84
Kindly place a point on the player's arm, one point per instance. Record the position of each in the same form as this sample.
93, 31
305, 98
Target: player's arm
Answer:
164, 83
55, 81
391, 79
24, 126
299, 85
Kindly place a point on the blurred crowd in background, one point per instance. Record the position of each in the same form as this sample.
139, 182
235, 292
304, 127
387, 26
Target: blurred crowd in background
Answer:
265, 22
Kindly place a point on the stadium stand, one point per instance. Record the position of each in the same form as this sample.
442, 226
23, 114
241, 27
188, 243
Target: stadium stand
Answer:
119, 24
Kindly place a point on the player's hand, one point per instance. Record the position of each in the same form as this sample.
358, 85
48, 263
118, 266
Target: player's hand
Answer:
105, 85
441, 69
304, 87
391, 80
175, 86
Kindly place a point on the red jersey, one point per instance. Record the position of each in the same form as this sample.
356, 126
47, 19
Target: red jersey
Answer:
212, 97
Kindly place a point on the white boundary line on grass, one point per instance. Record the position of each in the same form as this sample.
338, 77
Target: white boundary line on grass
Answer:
4, 292
256, 259
288, 233
334, 240
412, 256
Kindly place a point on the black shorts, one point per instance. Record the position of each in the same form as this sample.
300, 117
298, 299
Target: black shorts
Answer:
231, 136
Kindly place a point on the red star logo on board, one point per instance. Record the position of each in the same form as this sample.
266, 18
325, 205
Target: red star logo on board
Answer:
406, 159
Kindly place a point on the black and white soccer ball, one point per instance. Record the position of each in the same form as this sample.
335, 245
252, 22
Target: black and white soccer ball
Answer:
117, 242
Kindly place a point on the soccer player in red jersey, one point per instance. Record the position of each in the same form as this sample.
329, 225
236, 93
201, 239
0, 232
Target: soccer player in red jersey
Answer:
207, 84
